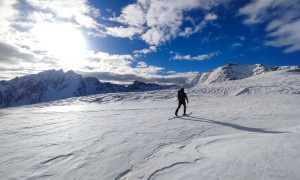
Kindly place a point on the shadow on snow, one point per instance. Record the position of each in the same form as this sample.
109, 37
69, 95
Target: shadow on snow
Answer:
235, 126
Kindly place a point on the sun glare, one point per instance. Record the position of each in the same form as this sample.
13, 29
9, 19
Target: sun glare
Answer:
63, 41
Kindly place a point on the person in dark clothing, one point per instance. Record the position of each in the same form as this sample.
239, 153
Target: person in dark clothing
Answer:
181, 101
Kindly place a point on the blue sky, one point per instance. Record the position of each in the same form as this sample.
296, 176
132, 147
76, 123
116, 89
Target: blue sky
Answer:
162, 41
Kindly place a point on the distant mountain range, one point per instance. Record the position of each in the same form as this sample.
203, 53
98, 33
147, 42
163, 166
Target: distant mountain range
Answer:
232, 71
55, 84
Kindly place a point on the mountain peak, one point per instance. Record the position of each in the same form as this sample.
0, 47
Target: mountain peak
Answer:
141, 86
232, 71
138, 82
56, 84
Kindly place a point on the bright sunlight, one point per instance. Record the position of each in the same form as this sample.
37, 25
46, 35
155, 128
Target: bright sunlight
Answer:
63, 41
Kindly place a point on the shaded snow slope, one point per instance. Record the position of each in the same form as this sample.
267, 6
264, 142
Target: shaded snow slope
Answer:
252, 135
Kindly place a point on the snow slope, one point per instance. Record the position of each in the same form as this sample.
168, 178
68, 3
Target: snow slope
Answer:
243, 129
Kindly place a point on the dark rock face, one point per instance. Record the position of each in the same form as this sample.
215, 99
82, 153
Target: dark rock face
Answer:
140, 86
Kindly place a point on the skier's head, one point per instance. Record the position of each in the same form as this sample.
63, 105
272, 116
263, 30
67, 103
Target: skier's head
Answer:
182, 89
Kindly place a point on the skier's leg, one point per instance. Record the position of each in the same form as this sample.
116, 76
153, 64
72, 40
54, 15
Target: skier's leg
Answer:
184, 111
179, 104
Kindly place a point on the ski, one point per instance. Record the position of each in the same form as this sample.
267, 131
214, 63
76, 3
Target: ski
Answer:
180, 116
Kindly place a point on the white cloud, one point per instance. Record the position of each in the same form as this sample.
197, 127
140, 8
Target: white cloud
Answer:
175, 78
78, 10
189, 30
211, 17
105, 62
123, 32
255, 11
33, 27
188, 57
48, 31
7, 13
12, 54
142, 64
120, 69
17, 18
282, 17
119, 64
156, 36
161, 20
132, 15
286, 36
148, 50
200, 57
18, 61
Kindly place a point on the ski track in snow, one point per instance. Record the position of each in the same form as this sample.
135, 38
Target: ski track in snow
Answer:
245, 129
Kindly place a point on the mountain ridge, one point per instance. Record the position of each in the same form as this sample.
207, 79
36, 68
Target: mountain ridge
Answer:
53, 85
56, 84
231, 72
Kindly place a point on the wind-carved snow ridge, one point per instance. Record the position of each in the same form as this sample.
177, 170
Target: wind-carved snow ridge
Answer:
57, 157
170, 166
239, 129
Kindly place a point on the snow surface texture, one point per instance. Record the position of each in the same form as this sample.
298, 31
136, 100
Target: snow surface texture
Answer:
243, 129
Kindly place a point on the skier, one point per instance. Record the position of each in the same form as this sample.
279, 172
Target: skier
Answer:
181, 101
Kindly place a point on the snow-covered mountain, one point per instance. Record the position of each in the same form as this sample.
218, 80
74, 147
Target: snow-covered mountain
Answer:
141, 86
191, 82
232, 71
55, 84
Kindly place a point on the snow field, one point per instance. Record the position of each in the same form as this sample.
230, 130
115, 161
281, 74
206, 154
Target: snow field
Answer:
253, 135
